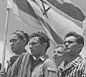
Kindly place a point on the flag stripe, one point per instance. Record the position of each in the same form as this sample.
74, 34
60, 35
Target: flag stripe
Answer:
39, 11
69, 9
51, 32
24, 11
25, 7
56, 37
56, 24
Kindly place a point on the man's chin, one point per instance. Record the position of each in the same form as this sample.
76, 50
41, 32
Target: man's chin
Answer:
68, 50
33, 54
15, 52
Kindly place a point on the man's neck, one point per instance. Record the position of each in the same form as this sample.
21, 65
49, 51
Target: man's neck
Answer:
22, 51
37, 56
69, 59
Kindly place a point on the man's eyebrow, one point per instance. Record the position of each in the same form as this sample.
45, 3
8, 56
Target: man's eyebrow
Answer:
69, 41
32, 43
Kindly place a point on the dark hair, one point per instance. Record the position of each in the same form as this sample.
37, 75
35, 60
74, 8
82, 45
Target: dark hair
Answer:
42, 37
79, 40
22, 35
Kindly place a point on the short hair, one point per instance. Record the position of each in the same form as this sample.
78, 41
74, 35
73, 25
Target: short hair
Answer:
22, 35
79, 40
59, 46
42, 37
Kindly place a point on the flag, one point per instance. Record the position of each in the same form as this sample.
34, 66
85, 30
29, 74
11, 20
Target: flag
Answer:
50, 16
68, 8
23, 10
59, 21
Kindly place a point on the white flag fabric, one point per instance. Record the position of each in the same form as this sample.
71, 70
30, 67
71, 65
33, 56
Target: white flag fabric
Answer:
56, 17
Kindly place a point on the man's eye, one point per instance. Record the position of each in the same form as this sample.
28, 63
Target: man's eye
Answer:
54, 51
69, 42
13, 40
59, 52
33, 43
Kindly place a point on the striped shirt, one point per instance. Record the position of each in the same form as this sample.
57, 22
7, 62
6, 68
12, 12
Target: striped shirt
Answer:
76, 68
26, 66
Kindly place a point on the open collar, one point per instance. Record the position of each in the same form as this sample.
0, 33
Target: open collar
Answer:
74, 63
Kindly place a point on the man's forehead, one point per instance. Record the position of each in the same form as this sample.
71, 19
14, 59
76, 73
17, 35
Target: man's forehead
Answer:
34, 39
14, 36
70, 38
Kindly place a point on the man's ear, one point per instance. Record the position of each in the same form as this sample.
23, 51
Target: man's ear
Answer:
80, 46
45, 45
24, 41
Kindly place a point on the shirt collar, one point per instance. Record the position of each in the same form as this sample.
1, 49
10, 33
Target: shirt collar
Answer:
77, 60
73, 63
42, 58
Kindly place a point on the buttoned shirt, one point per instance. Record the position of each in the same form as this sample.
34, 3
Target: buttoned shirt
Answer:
26, 66
44, 67
76, 68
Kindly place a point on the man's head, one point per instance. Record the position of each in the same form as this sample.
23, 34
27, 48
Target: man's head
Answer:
39, 43
59, 50
59, 54
18, 41
73, 43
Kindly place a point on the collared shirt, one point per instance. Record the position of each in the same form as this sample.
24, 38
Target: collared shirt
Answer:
76, 68
44, 67
24, 67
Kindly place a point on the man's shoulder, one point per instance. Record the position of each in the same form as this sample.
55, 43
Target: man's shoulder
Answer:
82, 64
24, 54
23, 57
49, 63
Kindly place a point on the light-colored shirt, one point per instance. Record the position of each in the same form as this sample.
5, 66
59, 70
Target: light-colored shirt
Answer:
44, 68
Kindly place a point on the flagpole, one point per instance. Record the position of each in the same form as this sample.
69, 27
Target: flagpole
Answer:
5, 38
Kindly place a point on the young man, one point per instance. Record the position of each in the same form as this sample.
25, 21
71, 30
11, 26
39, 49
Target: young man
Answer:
73, 65
58, 56
43, 66
18, 41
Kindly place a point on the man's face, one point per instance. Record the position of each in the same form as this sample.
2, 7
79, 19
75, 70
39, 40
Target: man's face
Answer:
16, 43
59, 51
71, 45
58, 55
35, 46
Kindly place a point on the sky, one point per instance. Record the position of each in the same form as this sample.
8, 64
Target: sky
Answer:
17, 24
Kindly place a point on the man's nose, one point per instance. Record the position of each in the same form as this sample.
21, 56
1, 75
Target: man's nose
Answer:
30, 46
66, 44
55, 52
11, 43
